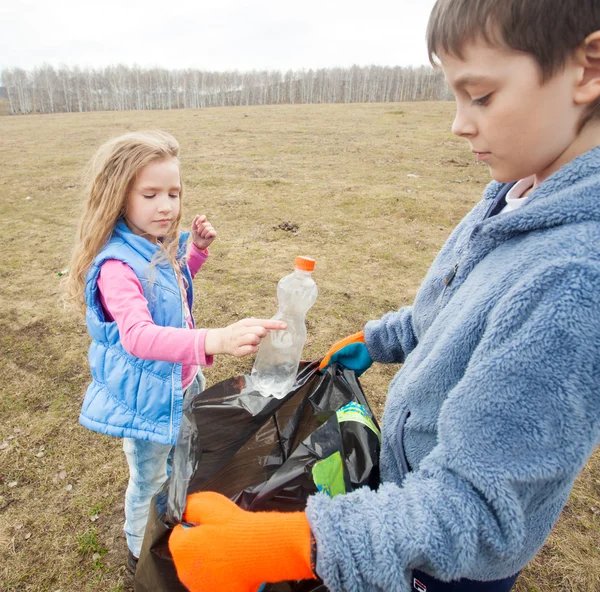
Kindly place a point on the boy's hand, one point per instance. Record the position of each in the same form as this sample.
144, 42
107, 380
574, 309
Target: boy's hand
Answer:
236, 550
241, 338
350, 352
203, 232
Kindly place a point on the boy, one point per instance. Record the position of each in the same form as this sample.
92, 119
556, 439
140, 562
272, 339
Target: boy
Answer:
496, 407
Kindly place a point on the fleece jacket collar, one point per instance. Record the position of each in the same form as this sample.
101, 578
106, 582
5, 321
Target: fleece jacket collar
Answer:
566, 197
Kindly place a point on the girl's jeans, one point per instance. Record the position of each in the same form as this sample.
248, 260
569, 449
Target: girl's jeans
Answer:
149, 467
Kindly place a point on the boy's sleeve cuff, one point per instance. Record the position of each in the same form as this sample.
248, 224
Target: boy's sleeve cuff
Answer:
313, 553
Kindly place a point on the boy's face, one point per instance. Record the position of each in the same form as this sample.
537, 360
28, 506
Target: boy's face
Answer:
514, 123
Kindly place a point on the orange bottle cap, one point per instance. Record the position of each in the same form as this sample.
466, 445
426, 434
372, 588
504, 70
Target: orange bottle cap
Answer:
304, 263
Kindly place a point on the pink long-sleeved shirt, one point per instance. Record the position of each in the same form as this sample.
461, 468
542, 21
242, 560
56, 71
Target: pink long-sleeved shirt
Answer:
123, 300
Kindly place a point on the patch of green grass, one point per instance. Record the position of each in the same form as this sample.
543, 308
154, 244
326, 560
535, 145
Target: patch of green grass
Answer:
96, 509
89, 544
274, 182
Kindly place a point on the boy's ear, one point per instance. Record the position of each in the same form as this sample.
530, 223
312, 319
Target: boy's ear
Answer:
587, 58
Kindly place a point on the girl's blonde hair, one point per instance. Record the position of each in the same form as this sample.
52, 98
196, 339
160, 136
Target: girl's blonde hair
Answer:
113, 171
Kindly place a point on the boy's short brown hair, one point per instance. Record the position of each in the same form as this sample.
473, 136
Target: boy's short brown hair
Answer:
549, 30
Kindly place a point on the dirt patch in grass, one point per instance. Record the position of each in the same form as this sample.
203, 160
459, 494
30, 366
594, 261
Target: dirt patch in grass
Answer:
370, 196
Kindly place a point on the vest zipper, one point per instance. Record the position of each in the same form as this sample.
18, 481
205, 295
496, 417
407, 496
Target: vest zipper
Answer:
183, 324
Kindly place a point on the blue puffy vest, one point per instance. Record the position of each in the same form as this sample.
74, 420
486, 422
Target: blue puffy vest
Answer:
130, 397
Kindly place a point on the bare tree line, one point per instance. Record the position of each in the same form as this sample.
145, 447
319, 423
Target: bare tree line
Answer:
121, 88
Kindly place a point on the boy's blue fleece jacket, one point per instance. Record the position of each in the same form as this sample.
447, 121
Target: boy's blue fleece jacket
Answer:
497, 405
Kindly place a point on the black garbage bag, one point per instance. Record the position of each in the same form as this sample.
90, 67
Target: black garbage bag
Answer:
265, 454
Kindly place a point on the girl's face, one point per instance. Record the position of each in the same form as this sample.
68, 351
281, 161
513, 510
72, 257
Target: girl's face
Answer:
153, 203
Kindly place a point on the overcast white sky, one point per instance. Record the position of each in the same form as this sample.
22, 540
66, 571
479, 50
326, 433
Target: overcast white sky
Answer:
215, 35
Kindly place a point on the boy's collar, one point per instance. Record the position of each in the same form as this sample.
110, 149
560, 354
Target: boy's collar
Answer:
584, 165
581, 166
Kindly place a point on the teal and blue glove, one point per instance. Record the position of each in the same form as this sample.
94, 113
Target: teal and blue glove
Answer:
351, 352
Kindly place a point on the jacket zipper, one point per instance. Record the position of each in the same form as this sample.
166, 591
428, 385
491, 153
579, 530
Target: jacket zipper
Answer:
173, 371
448, 279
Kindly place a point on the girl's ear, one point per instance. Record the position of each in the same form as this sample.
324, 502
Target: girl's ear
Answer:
587, 58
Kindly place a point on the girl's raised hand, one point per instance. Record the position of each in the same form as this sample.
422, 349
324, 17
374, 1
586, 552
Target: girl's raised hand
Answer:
241, 338
203, 232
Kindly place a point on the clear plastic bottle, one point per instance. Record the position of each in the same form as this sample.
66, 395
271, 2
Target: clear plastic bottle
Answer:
279, 354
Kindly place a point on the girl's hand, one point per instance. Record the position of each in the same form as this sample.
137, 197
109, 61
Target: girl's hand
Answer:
203, 232
241, 338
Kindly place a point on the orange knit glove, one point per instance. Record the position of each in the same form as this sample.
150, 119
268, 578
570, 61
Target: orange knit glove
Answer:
233, 550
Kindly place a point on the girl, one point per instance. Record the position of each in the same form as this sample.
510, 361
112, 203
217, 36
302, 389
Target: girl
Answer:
131, 274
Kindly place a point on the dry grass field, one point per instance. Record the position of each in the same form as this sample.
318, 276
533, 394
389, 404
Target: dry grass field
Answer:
370, 191
4, 107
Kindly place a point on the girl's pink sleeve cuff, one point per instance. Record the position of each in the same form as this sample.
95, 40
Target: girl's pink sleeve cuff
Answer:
196, 259
201, 358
